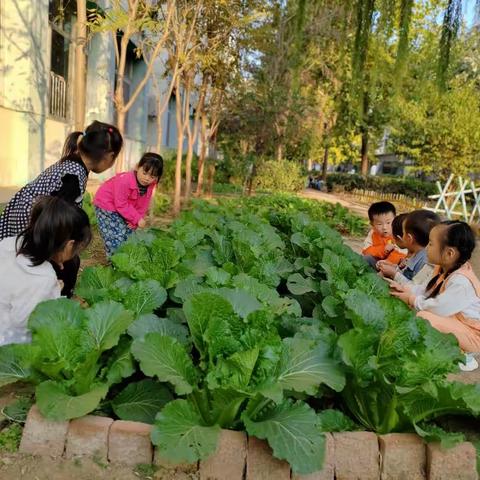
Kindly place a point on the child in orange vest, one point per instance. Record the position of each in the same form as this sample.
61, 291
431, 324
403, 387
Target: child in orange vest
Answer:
451, 300
380, 242
415, 230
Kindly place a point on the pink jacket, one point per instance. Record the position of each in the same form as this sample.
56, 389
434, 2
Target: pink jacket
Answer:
120, 194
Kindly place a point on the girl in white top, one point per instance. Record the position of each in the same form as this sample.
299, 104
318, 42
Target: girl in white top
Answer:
451, 300
57, 232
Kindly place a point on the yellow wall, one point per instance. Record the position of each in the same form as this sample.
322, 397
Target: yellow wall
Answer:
29, 144
14, 148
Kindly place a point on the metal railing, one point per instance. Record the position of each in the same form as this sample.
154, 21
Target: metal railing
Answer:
57, 103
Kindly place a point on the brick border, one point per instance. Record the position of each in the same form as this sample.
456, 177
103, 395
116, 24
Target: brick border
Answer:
349, 455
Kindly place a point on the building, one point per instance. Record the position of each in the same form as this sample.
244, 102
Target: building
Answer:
36, 88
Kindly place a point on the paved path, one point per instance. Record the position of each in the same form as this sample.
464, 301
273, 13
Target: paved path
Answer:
356, 207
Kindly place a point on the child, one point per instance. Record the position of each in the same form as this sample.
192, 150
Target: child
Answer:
451, 300
379, 244
94, 150
416, 231
57, 232
122, 202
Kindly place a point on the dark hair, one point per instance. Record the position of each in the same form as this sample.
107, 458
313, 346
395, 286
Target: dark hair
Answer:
152, 163
458, 235
53, 222
379, 208
419, 223
397, 225
97, 140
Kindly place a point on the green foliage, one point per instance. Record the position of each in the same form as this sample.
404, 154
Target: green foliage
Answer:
161, 203
279, 176
265, 321
10, 438
141, 401
410, 187
66, 357
89, 209
440, 130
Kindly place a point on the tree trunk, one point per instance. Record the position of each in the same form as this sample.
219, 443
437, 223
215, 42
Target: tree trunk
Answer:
203, 154
80, 65
309, 164
364, 128
178, 163
213, 163
188, 169
325, 163
211, 178
279, 151
251, 179
364, 152
158, 147
121, 118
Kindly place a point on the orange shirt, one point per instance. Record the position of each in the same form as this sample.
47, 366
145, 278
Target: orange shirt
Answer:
375, 245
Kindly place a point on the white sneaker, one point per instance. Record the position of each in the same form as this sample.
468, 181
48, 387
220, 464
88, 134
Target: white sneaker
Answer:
470, 363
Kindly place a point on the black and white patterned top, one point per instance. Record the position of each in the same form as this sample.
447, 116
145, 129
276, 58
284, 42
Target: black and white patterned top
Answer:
67, 178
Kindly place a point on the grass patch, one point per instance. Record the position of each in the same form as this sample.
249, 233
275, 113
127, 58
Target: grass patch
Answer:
10, 438
145, 471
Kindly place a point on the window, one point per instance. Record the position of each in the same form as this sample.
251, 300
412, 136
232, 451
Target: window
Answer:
61, 17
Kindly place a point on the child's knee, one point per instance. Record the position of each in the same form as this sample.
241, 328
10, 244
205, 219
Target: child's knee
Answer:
371, 260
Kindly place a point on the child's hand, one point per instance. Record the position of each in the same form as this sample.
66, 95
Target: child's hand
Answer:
395, 286
402, 263
389, 247
142, 223
388, 269
402, 295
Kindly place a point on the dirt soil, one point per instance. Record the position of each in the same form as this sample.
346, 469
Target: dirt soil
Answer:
28, 467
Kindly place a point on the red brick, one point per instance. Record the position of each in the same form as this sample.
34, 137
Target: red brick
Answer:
356, 456
43, 437
88, 436
262, 465
229, 460
129, 443
403, 457
328, 470
177, 467
457, 463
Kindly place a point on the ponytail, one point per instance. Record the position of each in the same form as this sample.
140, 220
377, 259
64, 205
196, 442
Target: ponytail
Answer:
98, 140
70, 148
458, 235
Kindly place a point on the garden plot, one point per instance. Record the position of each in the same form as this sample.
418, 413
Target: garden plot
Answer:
251, 316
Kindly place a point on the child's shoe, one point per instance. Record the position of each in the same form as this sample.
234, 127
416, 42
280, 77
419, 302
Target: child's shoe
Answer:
470, 363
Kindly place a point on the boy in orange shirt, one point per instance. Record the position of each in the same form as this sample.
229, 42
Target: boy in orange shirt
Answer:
380, 242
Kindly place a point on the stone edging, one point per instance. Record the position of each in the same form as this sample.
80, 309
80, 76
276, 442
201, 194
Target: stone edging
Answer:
349, 455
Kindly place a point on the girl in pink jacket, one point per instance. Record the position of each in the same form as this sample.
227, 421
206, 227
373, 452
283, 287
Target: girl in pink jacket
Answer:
122, 201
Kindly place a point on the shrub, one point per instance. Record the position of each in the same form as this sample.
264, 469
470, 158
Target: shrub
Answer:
410, 187
279, 176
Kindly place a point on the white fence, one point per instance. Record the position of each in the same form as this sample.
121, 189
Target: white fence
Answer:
57, 96
463, 202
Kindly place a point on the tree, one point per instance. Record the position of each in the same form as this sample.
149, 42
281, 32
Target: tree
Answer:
437, 128
181, 46
150, 25
80, 65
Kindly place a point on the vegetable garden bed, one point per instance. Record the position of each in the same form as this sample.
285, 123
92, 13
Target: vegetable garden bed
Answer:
251, 315
393, 456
